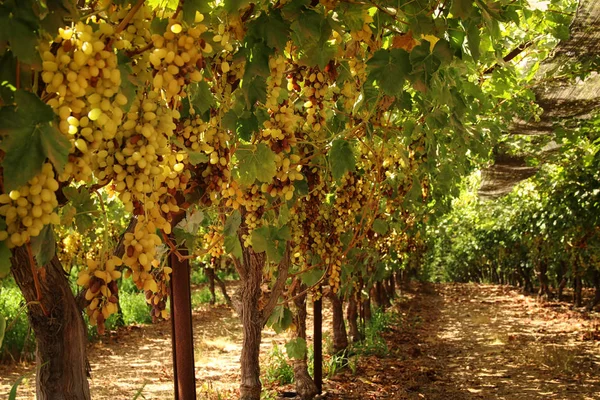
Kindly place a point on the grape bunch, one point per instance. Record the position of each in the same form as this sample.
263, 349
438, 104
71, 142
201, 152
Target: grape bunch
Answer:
140, 254
29, 208
158, 299
101, 290
215, 241
177, 57
82, 78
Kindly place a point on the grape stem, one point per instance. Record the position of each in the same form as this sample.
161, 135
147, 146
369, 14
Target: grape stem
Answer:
36, 280
125, 21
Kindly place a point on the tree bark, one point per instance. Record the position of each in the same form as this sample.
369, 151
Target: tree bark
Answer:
305, 386
340, 337
59, 331
352, 315
543, 279
577, 299
210, 274
596, 300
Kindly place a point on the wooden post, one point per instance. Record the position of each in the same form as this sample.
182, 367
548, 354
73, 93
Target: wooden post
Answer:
184, 376
318, 342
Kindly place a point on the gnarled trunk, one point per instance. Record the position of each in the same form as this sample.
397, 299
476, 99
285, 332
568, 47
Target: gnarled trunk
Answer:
59, 329
543, 279
577, 299
596, 300
305, 386
340, 338
352, 315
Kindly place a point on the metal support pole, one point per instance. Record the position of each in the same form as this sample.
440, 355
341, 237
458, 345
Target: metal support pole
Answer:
184, 376
318, 342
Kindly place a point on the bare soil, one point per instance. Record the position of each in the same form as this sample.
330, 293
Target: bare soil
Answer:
447, 342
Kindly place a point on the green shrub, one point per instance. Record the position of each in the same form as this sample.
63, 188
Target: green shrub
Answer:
19, 340
198, 277
278, 370
134, 308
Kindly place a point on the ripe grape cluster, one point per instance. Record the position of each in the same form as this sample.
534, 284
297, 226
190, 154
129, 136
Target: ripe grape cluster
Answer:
29, 208
101, 290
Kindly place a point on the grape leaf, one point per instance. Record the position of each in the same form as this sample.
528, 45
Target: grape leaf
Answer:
2, 329
233, 246
5, 263
30, 136
271, 240
197, 157
473, 39
310, 278
191, 6
255, 162
232, 223
255, 89
43, 246
380, 226
311, 33
84, 205
389, 68
296, 348
271, 28
341, 158
56, 14
280, 319
21, 36
461, 8
201, 98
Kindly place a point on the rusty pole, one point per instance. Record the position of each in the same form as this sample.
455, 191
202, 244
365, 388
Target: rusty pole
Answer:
318, 341
182, 335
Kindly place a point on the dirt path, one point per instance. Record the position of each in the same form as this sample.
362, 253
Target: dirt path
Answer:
447, 342
481, 342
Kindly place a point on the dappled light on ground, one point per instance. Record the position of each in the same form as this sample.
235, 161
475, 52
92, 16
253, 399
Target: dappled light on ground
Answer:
446, 342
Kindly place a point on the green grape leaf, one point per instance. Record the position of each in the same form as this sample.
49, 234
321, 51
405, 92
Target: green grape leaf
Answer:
380, 226
84, 206
473, 39
197, 157
389, 68
57, 14
43, 246
254, 89
311, 32
271, 28
281, 319
232, 223
21, 35
5, 262
159, 25
128, 81
201, 98
443, 52
233, 7
461, 8
296, 348
310, 278
341, 158
30, 136
191, 6
233, 246
2, 329
255, 163
271, 240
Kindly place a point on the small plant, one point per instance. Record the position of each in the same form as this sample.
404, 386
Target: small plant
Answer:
134, 308
19, 339
278, 370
